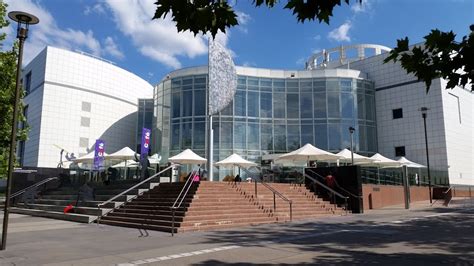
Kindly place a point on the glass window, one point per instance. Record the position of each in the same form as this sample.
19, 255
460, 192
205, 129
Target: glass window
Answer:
320, 105
360, 106
252, 82
199, 135
292, 105
240, 103
215, 126
306, 105
176, 105
279, 105
332, 85
280, 137
293, 137
399, 151
187, 135
319, 85
265, 83
333, 104
187, 81
86, 106
334, 131
397, 114
279, 85
307, 135
321, 136
347, 105
175, 137
175, 83
370, 107
371, 139
228, 109
85, 121
199, 102
267, 137
199, 79
252, 104
242, 80
266, 104
239, 135
253, 136
362, 138
28, 83
187, 103
346, 136
346, 85
226, 135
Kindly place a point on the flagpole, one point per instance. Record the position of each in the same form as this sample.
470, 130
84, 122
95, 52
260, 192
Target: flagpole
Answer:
209, 126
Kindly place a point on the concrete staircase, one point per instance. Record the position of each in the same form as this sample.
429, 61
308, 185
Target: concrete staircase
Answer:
51, 204
216, 205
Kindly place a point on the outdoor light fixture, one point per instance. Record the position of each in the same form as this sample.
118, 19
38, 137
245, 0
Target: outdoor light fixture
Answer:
24, 20
424, 112
351, 130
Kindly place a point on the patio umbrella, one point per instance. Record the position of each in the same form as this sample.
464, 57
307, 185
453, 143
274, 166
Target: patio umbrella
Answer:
405, 162
155, 158
123, 154
187, 157
235, 160
88, 158
309, 153
381, 161
346, 157
128, 163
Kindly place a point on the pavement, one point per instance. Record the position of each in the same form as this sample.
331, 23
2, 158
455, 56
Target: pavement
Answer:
423, 235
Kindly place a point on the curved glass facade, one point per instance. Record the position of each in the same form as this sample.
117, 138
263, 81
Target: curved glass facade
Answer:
267, 115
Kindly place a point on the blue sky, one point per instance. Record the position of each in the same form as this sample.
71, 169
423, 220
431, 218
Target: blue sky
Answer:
122, 31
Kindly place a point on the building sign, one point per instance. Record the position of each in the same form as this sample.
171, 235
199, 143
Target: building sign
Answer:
145, 147
99, 154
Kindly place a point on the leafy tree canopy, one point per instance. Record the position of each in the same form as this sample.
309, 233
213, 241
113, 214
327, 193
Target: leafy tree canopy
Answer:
440, 56
210, 16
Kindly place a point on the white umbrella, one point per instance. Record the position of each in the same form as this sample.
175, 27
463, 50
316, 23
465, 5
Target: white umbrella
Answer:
346, 157
405, 162
155, 158
128, 164
382, 162
88, 158
309, 153
187, 157
235, 160
123, 154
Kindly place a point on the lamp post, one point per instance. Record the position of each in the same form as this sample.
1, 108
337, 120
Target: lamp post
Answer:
424, 112
24, 20
351, 130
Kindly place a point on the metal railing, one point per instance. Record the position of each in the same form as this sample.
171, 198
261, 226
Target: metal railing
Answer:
99, 206
275, 193
330, 190
181, 196
447, 197
42, 182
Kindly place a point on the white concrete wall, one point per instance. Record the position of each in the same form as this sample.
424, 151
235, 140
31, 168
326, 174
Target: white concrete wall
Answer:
69, 80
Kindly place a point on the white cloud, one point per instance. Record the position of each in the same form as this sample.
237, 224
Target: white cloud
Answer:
249, 64
341, 33
243, 19
300, 61
364, 7
97, 8
112, 49
157, 39
317, 37
47, 32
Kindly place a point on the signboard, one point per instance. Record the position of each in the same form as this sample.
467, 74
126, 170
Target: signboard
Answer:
145, 144
99, 154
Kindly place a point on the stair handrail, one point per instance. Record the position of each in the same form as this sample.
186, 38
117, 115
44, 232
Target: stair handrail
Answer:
99, 206
37, 184
182, 195
275, 192
335, 193
447, 199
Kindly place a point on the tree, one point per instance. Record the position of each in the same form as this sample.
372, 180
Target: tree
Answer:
440, 56
8, 65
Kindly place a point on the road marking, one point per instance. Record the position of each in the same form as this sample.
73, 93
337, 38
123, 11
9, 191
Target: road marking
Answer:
177, 256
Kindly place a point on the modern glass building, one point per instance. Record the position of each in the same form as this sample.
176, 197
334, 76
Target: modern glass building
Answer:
273, 111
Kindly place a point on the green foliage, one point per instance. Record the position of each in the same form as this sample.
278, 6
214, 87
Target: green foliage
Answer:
8, 66
440, 56
210, 16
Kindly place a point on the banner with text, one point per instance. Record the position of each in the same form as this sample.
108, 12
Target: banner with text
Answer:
99, 154
146, 135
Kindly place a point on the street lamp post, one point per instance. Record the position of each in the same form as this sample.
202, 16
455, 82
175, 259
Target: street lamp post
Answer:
351, 130
424, 111
24, 20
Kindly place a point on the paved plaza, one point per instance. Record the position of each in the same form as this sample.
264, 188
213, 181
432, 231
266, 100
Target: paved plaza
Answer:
421, 236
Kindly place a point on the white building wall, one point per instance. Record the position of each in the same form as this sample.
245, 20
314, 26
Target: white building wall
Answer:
71, 79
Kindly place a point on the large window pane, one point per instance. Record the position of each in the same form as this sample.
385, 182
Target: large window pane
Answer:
293, 137
280, 138
266, 104
240, 103
333, 105
370, 107
360, 106
175, 137
239, 135
253, 136
267, 137
187, 103
346, 136
292, 105
320, 105
347, 105
199, 136
306, 105
334, 131
252, 103
176, 105
307, 135
279, 105
216, 129
226, 135
371, 139
228, 109
200, 102
187, 135
321, 136
362, 138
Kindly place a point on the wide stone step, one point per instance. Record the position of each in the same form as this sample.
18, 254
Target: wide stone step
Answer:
138, 225
81, 218
77, 210
178, 212
220, 224
143, 221
64, 203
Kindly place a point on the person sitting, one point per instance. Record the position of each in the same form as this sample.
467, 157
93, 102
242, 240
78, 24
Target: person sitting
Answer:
237, 178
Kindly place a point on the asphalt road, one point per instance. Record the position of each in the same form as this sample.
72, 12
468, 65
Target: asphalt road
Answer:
421, 236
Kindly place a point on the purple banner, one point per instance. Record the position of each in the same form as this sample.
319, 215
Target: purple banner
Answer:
146, 136
99, 154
